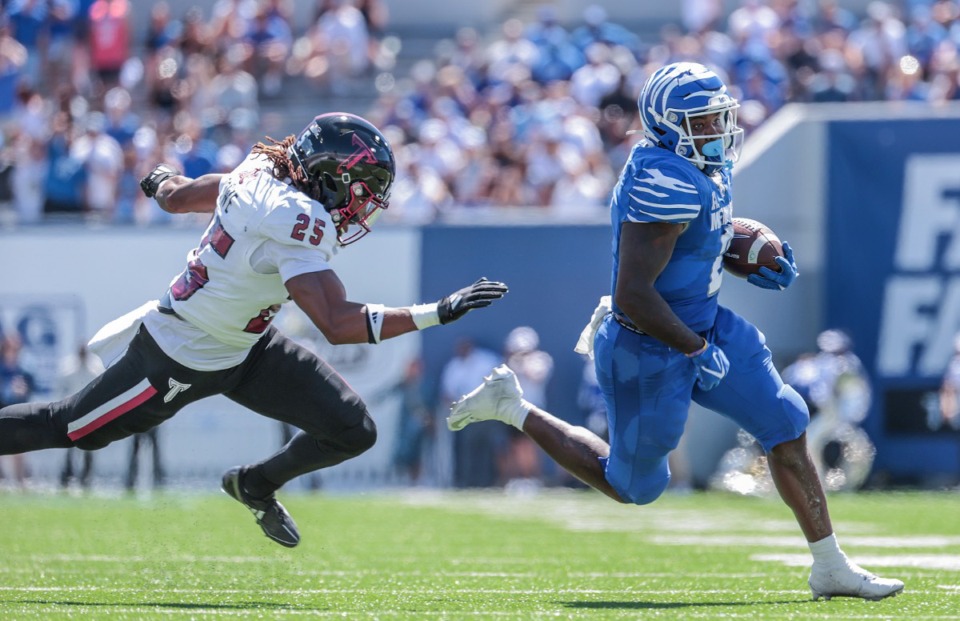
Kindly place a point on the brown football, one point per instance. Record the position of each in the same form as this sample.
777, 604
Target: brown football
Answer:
754, 245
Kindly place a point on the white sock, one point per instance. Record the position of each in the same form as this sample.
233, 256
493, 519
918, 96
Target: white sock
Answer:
515, 413
827, 551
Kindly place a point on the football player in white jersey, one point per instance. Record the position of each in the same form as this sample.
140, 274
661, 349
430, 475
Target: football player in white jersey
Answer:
277, 221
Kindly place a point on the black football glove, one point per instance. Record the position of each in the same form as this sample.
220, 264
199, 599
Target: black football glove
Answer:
479, 294
151, 183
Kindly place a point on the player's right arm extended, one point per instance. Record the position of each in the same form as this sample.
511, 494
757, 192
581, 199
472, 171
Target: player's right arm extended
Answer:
176, 193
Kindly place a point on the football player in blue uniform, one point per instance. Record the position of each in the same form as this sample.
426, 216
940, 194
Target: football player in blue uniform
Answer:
662, 340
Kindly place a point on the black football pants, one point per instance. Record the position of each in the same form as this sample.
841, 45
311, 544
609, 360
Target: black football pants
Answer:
279, 379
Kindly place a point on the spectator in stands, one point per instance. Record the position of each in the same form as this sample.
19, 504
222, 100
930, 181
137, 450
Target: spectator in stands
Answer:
469, 55
376, 16
945, 74
754, 21
137, 441
27, 149
420, 194
268, 41
230, 21
547, 29
414, 425
701, 16
16, 386
196, 152
13, 62
543, 161
109, 40
194, 37
28, 23
511, 58
128, 187
830, 16
121, 122
102, 158
557, 56
65, 189
61, 42
233, 91
595, 80
162, 29
521, 461
881, 41
339, 47
597, 28
474, 454
949, 394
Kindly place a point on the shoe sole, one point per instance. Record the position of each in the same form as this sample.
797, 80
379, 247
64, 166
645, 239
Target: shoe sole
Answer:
826, 597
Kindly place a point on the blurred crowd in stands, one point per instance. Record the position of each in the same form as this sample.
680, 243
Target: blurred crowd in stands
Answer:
87, 105
533, 114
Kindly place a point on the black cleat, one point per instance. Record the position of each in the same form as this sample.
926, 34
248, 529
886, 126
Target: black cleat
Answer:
271, 516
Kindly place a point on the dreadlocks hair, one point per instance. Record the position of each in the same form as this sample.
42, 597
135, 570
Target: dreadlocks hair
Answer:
283, 167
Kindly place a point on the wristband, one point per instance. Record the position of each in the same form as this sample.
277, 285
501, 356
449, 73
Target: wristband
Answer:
424, 315
702, 349
375, 314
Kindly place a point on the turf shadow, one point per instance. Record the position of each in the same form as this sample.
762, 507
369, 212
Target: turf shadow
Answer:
175, 605
669, 605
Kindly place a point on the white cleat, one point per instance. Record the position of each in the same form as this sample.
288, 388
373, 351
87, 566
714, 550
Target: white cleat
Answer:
850, 580
497, 398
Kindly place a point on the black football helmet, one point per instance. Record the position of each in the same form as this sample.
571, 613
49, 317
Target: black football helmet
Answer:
348, 168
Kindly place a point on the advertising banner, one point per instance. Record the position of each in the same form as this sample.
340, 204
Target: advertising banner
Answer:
893, 279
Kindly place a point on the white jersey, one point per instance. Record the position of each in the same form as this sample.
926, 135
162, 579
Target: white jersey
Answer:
263, 233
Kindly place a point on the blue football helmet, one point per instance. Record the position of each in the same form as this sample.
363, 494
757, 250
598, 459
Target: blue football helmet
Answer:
675, 94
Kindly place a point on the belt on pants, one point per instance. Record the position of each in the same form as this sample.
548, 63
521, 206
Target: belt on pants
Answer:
626, 323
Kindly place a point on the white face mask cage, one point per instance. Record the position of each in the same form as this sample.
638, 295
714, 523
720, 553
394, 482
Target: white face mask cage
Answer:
719, 149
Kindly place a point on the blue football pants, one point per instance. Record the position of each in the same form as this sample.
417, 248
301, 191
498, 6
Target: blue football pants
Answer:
648, 386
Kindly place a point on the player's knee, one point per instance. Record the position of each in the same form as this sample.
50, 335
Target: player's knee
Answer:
649, 490
360, 438
795, 410
641, 488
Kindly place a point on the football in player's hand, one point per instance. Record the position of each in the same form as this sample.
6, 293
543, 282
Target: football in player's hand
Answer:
754, 245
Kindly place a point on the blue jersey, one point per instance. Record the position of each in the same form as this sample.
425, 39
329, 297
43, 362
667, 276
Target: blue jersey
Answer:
657, 185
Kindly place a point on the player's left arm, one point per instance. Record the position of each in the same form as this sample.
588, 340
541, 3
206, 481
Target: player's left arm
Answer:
769, 279
176, 193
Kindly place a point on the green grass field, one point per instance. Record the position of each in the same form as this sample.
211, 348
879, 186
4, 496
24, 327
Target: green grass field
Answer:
423, 555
